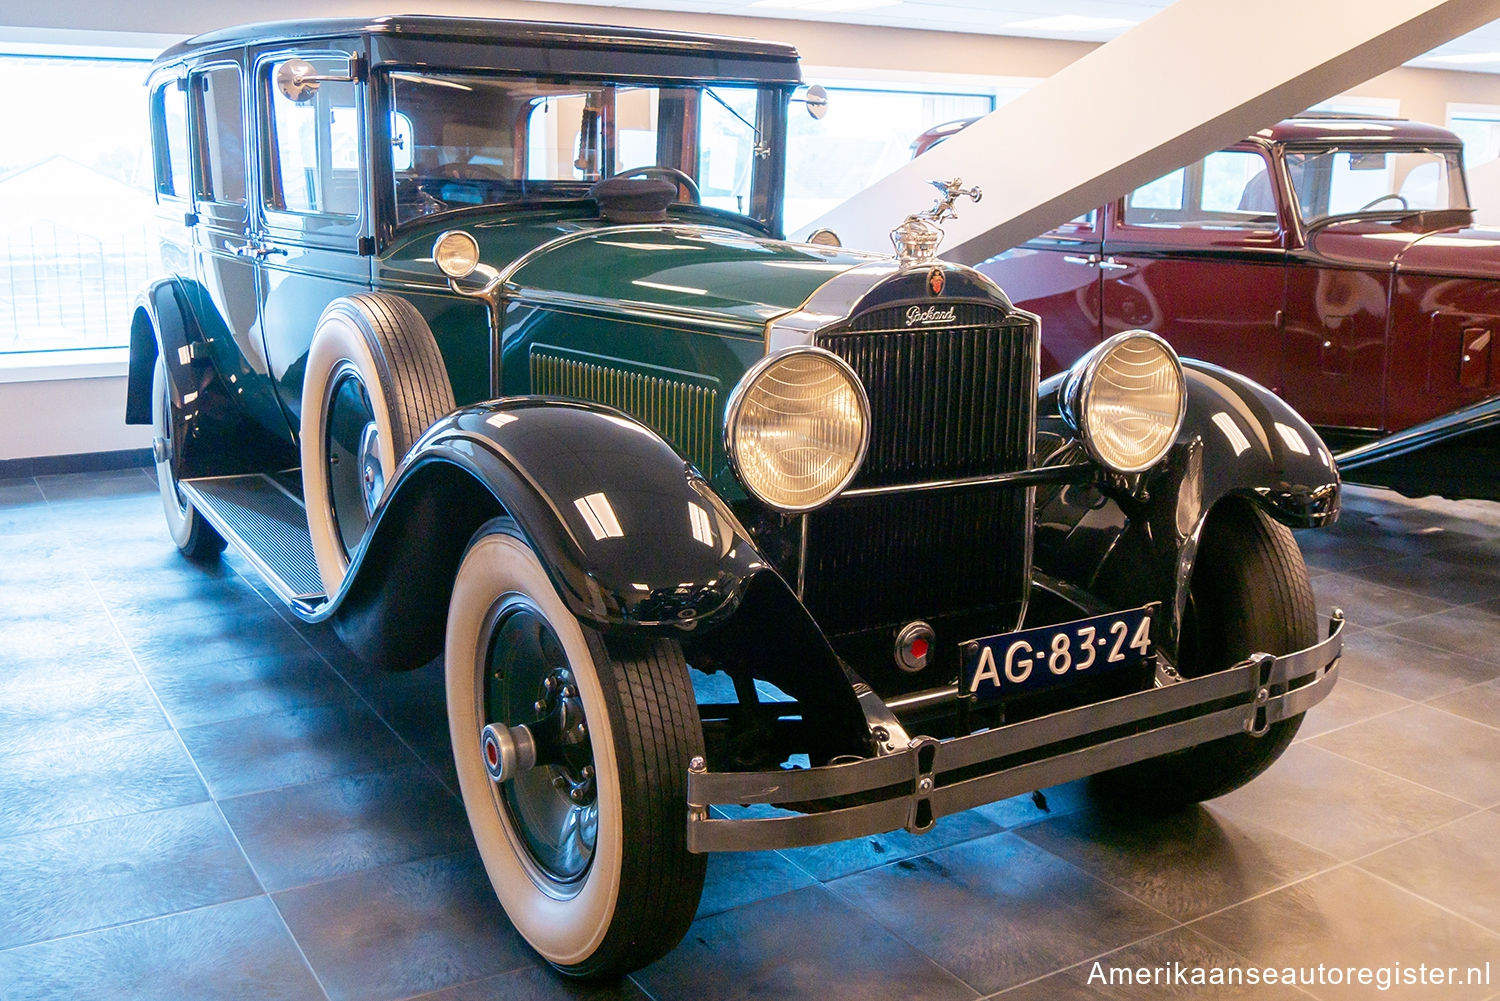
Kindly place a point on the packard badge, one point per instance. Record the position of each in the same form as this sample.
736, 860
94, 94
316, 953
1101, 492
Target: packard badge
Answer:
936, 281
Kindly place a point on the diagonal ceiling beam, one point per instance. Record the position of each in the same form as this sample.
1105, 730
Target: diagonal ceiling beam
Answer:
1197, 76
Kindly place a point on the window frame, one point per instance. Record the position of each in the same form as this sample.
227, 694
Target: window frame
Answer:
336, 231
208, 204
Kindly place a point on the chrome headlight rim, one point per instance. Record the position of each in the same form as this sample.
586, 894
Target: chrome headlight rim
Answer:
735, 405
1079, 384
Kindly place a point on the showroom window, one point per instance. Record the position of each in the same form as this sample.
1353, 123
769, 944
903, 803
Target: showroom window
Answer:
867, 134
77, 210
1478, 125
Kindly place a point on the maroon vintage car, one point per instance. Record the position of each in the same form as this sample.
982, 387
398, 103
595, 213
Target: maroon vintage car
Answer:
1329, 258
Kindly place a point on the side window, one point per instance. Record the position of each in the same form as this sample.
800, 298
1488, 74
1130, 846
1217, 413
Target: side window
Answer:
313, 148
1163, 193
1230, 189
170, 141
217, 111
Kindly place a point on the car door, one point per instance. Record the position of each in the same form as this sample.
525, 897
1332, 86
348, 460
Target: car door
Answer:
313, 239
1198, 256
1057, 276
228, 306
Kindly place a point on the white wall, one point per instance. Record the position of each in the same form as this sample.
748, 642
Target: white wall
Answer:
63, 416
66, 416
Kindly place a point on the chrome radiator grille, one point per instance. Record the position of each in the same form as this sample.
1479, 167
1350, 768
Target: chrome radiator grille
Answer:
946, 402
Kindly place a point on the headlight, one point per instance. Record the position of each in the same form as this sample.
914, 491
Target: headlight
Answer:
1126, 399
456, 253
797, 428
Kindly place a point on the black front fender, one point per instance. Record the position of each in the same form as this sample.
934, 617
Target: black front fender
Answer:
632, 537
1129, 542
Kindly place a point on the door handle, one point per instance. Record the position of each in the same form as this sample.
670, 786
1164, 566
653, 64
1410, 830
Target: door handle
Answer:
1095, 261
258, 251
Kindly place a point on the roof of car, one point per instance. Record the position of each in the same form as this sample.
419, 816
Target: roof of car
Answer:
1327, 127
480, 30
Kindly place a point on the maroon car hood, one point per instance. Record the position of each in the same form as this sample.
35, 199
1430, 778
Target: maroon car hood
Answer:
1466, 251
1472, 253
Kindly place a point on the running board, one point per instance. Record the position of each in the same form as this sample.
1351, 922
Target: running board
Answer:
267, 524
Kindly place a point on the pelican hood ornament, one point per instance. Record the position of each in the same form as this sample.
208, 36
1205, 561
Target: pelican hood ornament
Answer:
916, 239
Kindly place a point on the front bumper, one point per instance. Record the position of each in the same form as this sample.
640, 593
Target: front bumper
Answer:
912, 787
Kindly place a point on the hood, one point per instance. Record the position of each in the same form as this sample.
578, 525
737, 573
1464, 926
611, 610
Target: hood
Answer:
688, 269
1467, 253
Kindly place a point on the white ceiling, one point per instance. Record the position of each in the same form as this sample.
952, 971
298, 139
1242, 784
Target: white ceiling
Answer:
1081, 20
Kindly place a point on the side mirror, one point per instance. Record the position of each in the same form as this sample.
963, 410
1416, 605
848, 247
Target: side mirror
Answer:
816, 101
298, 80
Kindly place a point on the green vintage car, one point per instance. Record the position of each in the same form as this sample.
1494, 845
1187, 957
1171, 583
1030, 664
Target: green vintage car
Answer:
479, 339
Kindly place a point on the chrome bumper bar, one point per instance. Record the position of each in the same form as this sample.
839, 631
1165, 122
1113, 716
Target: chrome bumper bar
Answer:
912, 787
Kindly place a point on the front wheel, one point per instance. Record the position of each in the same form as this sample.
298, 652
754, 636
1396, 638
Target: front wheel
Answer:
1249, 594
584, 838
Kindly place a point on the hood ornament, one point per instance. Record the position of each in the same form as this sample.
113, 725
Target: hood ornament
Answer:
916, 239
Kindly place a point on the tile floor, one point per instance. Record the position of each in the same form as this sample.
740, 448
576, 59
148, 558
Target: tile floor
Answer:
202, 799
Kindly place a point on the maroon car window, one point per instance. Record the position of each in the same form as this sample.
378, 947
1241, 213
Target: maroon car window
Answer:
1230, 189
1348, 181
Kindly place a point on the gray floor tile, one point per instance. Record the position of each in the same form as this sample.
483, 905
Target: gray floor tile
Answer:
197, 693
1410, 669
825, 862
537, 983
88, 780
1453, 755
1341, 806
62, 487
1480, 703
230, 952
1000, 911
403, 930
211, 639
1436, 579
1457, 866
322, 830
738, 878
257, 753
1471, 630
1367, 605
70, 879
806, 945
1185, 865
1348, 918
1018, 811
108, 706
1349, 702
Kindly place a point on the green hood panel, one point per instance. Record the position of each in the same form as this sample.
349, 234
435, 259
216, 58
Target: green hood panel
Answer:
694, 270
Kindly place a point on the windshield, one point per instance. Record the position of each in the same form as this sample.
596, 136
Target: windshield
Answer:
1340, 182
459, 140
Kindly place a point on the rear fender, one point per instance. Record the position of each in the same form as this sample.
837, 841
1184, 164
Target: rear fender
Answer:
1131, 542
213, 434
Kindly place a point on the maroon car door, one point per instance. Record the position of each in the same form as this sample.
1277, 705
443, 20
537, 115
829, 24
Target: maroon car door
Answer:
1198, 256
1056, 276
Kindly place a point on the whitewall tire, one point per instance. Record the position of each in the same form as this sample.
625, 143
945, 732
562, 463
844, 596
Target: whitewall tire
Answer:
586, 850
374, 382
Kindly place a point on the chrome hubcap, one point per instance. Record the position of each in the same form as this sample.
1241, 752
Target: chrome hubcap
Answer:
372, 473
536, 746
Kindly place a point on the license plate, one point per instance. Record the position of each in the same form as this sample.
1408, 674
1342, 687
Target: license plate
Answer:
1000, 666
